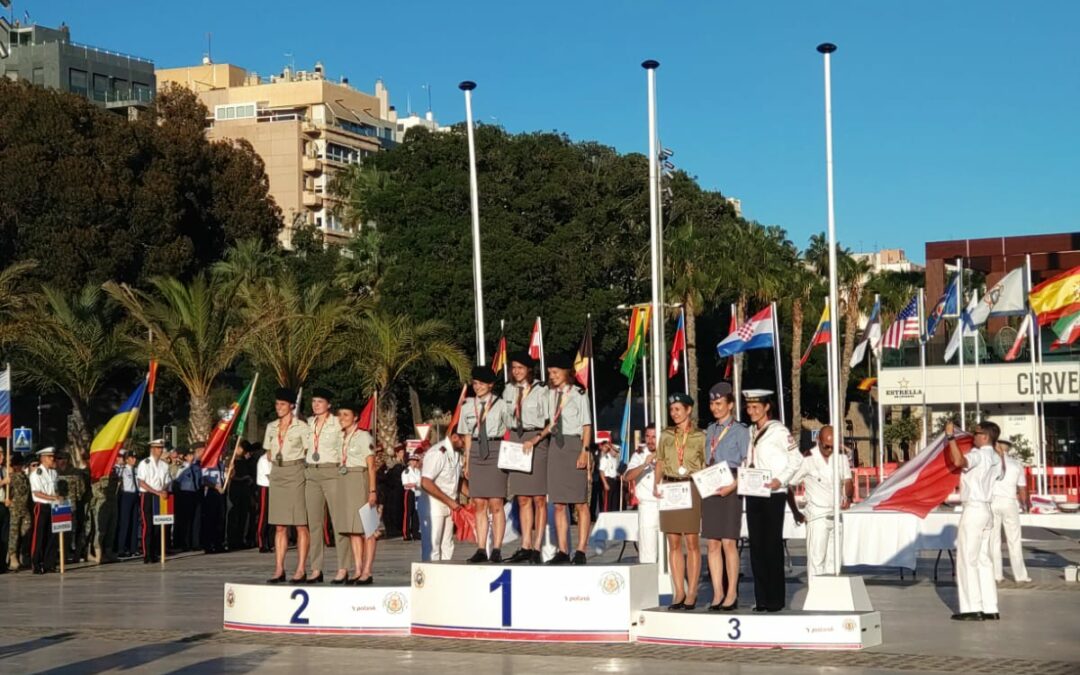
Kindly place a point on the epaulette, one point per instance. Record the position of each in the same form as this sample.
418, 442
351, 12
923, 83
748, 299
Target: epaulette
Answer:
39, 471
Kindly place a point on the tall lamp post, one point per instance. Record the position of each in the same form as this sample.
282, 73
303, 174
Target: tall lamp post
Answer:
478, 285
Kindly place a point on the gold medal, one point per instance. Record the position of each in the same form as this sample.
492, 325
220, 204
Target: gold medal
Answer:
682, 470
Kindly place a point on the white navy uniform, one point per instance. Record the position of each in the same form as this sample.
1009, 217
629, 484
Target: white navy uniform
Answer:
442, 466
816, 474
974, 570
648, 507
1005, 510
43, 548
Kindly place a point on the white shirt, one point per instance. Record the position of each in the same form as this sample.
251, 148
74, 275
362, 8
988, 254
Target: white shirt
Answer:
977, 480
816, 473
609, 465
127, 479
774, 450
410, 479
154, 473
1013, 479
44, 481
646, 482
442, 466
262, 470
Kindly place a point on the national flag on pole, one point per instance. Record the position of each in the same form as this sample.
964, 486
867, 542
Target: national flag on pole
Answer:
1021, 335
821, 334
920, 484
5, 403
1067, 329
757, 333
948, 305
366, 421
163, 506
871, 336
635, 342
499, 360
452, 427
625, 434
964, 327
153, 376
583, 358
1056, 297
1005, 298
904, 326
106, 445
732, 327
678, 346
61, 513
536, 341
219, 437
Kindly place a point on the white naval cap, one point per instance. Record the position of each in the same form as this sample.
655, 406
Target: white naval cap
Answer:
46, 451
159, 442
757, 395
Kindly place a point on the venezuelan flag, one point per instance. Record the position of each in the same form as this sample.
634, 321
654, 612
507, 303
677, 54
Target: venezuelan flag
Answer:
114, 434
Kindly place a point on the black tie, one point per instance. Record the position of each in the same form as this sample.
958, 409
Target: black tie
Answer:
481, 429
558, 431
520, 410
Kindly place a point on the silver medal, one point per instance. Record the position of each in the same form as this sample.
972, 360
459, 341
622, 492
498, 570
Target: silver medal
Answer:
343, 470
315, 456
682, 470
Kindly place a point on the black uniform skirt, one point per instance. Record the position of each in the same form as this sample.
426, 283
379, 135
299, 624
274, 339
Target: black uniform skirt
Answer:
566, 483
683, 521
486, 479
535, 482
721, 517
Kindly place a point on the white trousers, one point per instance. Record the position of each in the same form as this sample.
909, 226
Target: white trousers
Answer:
974, 570
436, 529
819, 546
648, 530
1006, 514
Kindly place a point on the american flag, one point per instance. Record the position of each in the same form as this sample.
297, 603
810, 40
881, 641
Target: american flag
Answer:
906, 325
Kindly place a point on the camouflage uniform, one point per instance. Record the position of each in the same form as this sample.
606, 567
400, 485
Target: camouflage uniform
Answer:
19, 534
103, 505
75, 480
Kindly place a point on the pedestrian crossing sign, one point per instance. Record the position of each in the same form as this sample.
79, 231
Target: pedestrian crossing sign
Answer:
22, 439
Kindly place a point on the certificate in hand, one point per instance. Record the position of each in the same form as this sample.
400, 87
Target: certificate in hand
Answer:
512, 457
754, 482
710, 480
369, 519
675, 496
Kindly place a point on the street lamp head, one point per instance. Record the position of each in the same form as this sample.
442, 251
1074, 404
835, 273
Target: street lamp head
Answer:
467, 85
826, 48
650, 64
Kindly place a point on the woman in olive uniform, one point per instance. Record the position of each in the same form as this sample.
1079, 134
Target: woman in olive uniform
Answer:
570, 431
681, 452
322, 478
358, 488
482, 425
286, 442
526, 414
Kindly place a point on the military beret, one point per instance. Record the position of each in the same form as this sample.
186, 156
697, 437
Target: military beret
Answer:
719, 390
323, 393
564, 361
484, 374
523, 358
285, 394
679, 397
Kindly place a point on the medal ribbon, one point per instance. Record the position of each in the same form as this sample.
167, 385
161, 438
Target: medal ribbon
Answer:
563, 400
281, 438
716, 443
681, 449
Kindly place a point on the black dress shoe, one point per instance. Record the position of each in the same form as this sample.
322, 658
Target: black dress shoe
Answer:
496, 556
690, 606
365, 582
559, 558
967, 616
579, 558
718, 607
522, 555
298, 581
339, 582
536, 558
730, 608
760, 609
676, 607
317, 579
279, 579
479, 557
993, 616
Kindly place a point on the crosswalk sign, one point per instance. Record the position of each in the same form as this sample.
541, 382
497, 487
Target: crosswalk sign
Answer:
22, 439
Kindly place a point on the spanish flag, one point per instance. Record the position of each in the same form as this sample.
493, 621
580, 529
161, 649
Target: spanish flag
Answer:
1057, 297
499, 362
114, 434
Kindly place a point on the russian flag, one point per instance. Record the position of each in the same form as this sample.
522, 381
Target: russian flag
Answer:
757, 333
5, 403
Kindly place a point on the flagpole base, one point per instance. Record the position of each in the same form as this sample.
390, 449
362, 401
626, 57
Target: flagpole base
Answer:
827, 593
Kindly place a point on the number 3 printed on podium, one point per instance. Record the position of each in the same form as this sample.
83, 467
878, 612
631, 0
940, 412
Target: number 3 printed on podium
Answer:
296, 618
503, 581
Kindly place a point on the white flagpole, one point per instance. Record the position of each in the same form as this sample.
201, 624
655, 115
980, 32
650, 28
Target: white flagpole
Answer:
960, 307
880, 426
686, 355
922, 366
478, 290
978, 398
592, 378
776, 364
150, 333
656, 257
736, 374
1040, 455
646, 403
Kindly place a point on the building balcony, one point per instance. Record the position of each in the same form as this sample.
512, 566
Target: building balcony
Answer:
310, 128
311, 165
312, 199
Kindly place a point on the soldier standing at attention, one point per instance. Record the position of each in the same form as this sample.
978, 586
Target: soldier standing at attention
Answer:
357, 469
21, 520
103, 509
43, 490
482, 425
570, 431
287, 442
154, 482
322, 479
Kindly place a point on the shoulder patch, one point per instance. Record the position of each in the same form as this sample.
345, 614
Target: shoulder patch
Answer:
39, 471
146, 461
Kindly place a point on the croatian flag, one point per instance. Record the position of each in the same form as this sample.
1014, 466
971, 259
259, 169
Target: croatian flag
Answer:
5, 403
920, 484
757, 333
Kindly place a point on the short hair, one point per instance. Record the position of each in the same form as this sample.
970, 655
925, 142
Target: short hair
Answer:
992, 430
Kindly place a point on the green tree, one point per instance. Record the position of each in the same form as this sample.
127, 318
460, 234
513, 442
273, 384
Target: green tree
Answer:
16, 299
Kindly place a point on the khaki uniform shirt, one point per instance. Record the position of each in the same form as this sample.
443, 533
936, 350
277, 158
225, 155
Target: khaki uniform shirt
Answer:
292, 446
667, 452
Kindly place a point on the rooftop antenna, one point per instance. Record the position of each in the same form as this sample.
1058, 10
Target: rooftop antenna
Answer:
428, 88
408, 104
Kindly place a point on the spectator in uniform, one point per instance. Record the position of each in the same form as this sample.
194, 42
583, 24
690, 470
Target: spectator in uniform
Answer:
187, 493
1010, 497
440, 478
127, 542
43, 544
153, 479
641, 477
263, 529
21, 505
211, 532
410, 483
240, 493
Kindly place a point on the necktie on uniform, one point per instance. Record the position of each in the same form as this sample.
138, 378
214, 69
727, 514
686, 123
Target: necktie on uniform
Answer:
557, 432
517, 410
481, 430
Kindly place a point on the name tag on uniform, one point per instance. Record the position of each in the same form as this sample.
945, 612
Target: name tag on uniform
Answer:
675, 496
754, 483
512, 457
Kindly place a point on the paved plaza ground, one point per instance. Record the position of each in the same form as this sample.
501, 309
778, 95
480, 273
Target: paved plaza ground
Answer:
134, 618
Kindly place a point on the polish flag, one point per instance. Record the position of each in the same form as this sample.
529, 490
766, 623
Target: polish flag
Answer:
920, 484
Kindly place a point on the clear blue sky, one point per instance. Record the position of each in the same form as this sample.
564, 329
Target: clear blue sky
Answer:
952, 119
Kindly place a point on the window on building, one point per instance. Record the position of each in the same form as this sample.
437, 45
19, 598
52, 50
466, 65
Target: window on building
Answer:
101, 87
141, 91
235, 111
77, 82
12, 75
341, 153
39, 76
121, 90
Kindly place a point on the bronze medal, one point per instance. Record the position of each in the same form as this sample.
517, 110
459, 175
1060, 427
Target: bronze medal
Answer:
343, 470
315, 456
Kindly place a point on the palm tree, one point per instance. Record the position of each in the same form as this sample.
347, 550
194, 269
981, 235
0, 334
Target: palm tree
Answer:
356, 187
802, 285
77, 339
198, 329
362, 264
692, 283
16, 299
390, 351
306, 328
250, 260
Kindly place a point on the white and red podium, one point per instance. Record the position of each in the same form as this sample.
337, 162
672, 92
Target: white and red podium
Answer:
591, 603
317, 610
783, 630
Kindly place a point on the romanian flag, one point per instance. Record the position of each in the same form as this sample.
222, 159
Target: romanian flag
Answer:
1067, 329
106, 445
635, 343
678, 346
1057, 297
163, 506
821, 334
215, 445
366, 422
583, 359
499, 362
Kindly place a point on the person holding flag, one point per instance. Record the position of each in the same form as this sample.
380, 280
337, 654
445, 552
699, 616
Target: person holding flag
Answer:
153, 479
526, 404
483, 425
287, 441
322, 479
357, 468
